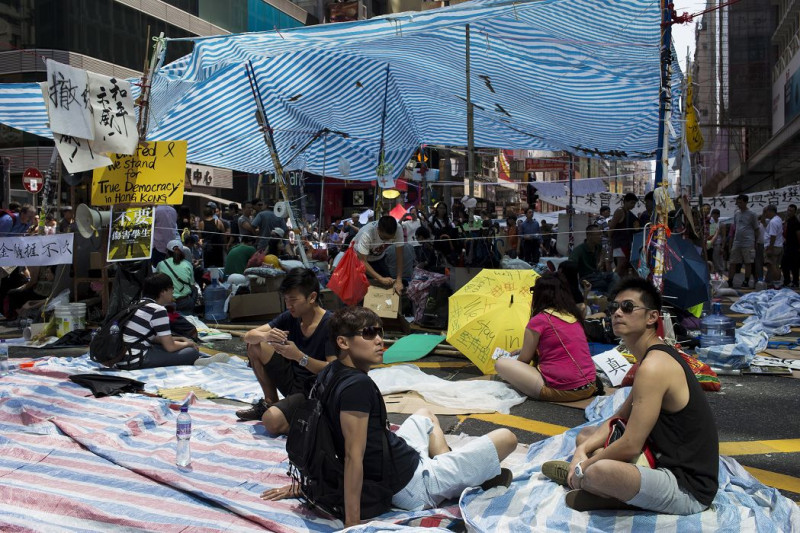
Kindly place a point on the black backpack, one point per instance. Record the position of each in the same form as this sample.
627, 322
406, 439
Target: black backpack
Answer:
108, 349
318, 469
437, 307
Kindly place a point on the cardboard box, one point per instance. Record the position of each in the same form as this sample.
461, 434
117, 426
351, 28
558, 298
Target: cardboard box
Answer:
268, 285
385, 302
329, 300
255, 306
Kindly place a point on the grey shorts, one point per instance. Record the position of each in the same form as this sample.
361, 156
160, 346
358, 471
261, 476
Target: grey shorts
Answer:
447, 475
659, 491
742, 255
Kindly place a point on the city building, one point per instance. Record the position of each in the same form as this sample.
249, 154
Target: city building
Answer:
745, 61
111, 37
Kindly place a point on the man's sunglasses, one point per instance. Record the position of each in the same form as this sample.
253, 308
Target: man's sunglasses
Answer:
627, 307
368, 333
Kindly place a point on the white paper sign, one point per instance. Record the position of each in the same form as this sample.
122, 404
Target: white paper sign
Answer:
613, 364
76, 153
112, 115
68, 100
39, 250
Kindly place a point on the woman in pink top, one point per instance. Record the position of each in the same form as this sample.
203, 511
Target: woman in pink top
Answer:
563, 370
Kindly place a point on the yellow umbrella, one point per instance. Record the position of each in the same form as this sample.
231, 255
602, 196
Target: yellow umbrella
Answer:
490, 311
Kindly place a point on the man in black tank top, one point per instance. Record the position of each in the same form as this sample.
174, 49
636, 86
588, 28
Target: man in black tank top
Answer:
666, 409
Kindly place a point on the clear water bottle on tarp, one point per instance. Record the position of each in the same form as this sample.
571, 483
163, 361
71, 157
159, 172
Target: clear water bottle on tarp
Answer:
716, 328
4, 368
214, 296
183, 432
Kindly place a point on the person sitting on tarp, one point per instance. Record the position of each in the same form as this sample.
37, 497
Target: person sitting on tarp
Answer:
421, 469
32, 294
371, 243
287, 353
592, 264
666, 416
563, 371
148, 333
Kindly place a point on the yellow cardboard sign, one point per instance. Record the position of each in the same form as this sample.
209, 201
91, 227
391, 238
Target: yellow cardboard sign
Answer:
153, 175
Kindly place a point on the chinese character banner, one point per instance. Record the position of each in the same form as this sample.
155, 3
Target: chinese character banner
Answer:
130, 237
39, 250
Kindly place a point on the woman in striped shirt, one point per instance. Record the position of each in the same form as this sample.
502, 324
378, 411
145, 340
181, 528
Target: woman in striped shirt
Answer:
148, 334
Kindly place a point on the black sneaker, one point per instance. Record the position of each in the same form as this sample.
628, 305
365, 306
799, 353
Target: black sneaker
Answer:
503, 479
255, 412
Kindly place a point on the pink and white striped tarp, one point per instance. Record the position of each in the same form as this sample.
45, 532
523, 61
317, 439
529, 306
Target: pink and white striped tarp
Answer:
72, 462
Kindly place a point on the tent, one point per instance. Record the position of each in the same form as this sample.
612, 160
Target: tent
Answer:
575, 75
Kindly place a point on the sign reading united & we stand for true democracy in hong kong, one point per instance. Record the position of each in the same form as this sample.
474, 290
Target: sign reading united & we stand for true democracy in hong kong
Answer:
153, 175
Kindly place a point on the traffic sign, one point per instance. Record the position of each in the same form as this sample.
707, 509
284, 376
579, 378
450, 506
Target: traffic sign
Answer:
33, 180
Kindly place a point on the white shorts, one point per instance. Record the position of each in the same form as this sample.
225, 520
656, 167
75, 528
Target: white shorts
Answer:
447, 475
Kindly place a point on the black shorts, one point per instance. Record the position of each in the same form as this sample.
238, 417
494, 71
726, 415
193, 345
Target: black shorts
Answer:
293, 385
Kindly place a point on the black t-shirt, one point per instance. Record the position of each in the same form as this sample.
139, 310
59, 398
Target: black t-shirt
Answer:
318, 346
357, 392
686, 443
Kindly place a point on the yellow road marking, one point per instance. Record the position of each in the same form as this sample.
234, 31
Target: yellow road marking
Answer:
432, 364
759, 447
773, 479
518, 422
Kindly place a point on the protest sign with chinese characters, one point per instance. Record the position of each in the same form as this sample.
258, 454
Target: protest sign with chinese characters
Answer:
76, 153
613, 364
591, 203
130, 237
112, 115
67, 95
40, 250
154, 175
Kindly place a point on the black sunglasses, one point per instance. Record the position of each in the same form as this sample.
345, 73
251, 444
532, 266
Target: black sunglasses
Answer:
368, 333
627, 307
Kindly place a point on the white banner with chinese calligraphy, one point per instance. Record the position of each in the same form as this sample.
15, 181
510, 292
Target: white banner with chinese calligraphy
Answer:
68, 103
613, 364
591, 203
112, 114
130, 237
39, 250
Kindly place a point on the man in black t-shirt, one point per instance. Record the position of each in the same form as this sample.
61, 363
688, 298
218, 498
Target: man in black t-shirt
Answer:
287, 353
666, 410
423, 470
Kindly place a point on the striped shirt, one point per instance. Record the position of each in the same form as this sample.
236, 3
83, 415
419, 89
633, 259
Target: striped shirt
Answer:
148, 322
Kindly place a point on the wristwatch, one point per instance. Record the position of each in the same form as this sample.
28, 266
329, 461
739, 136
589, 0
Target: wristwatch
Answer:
303, 361
579, 471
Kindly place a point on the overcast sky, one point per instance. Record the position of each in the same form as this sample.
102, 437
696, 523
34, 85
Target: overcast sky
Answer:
683, 34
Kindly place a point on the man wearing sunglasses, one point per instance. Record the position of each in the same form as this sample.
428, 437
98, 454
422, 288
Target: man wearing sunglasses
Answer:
423, 471
666, 409
287, 353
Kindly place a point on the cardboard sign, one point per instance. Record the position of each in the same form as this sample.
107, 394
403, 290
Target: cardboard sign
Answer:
153, 175
67, 97
385, 302
113, 118
39, 250
613, 364
130, 237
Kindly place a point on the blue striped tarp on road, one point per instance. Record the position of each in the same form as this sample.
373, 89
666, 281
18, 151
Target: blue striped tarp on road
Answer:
534, 503
71, 462
574, 75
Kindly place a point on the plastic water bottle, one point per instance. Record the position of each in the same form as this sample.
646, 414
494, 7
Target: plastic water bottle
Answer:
716, 328
4, 370
183, 455
214, 296
114, 329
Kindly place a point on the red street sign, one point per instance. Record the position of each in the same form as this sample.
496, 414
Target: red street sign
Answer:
32, 180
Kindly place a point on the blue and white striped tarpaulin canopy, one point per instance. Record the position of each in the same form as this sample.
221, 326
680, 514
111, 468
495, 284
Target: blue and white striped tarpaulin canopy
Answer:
574, 75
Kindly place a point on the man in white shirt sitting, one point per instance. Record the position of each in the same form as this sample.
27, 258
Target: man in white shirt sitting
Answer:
371, 242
